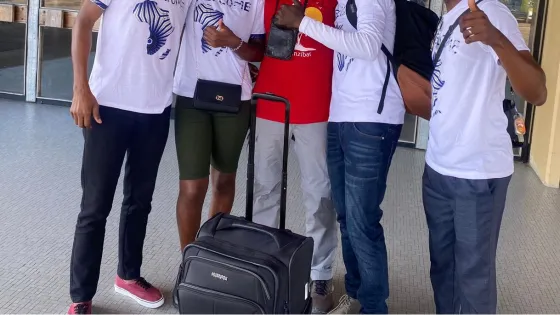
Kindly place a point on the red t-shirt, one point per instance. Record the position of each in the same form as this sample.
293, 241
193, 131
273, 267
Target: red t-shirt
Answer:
306, 79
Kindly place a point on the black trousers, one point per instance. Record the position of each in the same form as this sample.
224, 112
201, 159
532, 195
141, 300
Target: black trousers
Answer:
142, 138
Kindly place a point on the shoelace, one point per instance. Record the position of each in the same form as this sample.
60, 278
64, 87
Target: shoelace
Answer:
81, 308
344, 301
321, 287
141, 282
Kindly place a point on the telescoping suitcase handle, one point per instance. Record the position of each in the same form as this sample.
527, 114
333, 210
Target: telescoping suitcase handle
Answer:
251, 163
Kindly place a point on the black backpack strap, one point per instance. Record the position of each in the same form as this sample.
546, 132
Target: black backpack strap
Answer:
352, 13
390, 61
390, 58
352, 16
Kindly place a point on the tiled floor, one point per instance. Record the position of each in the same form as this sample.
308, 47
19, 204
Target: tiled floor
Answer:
40, 152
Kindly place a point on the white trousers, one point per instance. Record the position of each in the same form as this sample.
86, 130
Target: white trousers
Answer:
320, 220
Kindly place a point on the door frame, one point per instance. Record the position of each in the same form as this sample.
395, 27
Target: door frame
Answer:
537, 51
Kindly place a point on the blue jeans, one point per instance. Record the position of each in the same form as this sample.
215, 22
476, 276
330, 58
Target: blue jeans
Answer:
358, 158
464, 218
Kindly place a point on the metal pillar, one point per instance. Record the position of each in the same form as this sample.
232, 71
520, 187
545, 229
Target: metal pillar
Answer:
32, 60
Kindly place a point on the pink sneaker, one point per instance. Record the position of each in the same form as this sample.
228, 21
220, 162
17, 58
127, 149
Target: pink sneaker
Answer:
80, 308
141, 291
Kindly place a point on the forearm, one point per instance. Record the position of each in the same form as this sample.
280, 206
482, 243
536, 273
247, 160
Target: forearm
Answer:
364, 45
526, 77
81, 47
251, 52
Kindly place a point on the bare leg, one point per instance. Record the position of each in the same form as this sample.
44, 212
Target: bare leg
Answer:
223, 192
189, 208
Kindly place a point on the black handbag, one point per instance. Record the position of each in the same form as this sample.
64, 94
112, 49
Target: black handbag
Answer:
281, 41
217, 96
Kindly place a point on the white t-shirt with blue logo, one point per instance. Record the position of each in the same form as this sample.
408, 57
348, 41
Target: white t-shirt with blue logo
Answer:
468, 137
360, 66
198, 60
137, 49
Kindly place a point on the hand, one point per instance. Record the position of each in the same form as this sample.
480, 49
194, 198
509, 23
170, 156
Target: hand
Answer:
220, 36
84, 106
254, 71
290, 16
476, 27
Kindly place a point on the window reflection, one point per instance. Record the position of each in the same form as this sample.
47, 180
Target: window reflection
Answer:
56, 73
523, 11
12, 57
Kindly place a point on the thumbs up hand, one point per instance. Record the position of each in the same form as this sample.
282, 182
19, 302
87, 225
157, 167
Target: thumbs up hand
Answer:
473, 6
476, 27
220, 36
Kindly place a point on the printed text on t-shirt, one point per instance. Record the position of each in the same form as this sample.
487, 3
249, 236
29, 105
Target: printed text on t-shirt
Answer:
237, 4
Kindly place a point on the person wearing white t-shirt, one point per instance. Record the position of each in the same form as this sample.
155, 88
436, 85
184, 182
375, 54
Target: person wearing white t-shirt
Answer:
124, 110
469, 161
362, 135
220, 39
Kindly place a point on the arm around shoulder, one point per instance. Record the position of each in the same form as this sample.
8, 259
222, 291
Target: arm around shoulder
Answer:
363, 44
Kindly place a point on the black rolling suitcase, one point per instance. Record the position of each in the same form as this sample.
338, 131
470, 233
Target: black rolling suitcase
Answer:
236, 266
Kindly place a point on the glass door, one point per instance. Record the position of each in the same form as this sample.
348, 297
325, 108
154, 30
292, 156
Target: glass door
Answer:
56, 19
530, 22
13, 31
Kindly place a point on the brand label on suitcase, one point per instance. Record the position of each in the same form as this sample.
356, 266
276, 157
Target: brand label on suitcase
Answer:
218, 276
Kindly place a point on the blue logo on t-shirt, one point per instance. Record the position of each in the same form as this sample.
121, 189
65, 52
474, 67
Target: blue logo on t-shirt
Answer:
437, 84
342, 61
437, 80
159, 23
207, 16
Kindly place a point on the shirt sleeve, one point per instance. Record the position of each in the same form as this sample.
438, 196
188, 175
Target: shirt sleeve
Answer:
500, 16
365, 43
103, 4
258, 30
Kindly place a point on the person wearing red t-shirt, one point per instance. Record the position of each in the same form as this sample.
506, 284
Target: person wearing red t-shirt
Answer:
306, 80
